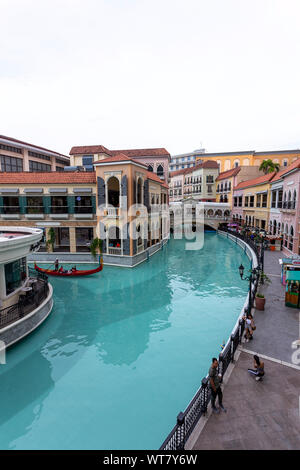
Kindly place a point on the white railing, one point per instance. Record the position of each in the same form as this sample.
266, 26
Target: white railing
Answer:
114, 251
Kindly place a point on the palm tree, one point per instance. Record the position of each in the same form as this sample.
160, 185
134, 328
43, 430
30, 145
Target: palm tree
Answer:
268, 166
96, 245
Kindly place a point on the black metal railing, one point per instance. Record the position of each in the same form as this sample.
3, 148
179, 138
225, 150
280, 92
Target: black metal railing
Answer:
26, 302
59, 209
187, 420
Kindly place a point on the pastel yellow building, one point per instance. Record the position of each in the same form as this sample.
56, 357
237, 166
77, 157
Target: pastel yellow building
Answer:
229, 160
227, 180
256, 199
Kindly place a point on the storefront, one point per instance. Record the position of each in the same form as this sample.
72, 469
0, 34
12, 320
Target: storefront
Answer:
292, 290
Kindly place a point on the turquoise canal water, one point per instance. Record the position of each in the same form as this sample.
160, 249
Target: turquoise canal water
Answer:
123, 351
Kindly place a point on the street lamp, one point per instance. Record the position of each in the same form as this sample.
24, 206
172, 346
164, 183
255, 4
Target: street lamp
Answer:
251, 278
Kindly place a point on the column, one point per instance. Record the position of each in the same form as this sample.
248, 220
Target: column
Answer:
72, 238
25, 160
49, 248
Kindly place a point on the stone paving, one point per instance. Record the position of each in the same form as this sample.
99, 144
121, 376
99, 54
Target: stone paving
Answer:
261, 415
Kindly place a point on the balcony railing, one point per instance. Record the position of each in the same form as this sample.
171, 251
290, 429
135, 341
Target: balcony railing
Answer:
10, 209
59, 210
34, 209
83, 210
114, 251
26, 303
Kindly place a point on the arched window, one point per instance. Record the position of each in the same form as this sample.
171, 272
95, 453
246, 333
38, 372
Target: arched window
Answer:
286, 235
221, 198
274, 227
113, 191
150, 168
246, 220
225, 198
218, 213
294, 199
160, 171
279, 226
291, 238
139, 186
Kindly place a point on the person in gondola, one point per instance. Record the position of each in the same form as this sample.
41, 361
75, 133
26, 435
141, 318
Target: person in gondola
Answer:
61, 270
56, 264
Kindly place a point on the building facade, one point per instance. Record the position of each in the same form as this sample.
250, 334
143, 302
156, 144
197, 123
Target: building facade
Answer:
197, 182
156, 160
227, 180
18, 156
229, 160
185, 160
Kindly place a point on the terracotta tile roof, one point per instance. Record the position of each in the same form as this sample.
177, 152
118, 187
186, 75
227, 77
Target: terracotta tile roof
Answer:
119, 157
92, 149
287, 169
154, 177
228, 174
206, 164
154, 152
20, 142
50, 177
255, 181
89, 149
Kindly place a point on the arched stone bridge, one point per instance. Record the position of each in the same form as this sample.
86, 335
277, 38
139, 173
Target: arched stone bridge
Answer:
214, 212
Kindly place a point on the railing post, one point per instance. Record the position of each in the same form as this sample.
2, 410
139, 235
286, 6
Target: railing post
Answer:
204, 397
180, 434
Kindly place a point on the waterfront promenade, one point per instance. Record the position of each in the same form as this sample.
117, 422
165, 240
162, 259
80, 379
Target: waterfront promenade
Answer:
260, 415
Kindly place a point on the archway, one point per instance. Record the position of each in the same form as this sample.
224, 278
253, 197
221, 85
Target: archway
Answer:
113, 191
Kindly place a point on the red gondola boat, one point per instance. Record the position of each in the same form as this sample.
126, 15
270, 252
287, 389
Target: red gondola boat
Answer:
71, 272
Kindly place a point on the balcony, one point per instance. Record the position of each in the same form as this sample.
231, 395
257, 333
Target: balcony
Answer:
114, 251
111, 212
10, 212
59, 212
289, 206
83, 212
34, 212
27, 302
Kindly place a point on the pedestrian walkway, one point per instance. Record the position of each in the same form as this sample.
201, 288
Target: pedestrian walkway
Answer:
277, 327
261, 415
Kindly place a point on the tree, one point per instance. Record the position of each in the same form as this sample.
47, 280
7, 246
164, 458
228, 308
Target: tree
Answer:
51, 240
96, 245
268, 166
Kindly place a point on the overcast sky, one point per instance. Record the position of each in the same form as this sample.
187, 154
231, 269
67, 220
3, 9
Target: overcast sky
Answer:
222, 74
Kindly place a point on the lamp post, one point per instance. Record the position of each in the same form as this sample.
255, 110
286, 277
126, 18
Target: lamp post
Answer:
251, 278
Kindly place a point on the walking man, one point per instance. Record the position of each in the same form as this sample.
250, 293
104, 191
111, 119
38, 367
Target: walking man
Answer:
215, 386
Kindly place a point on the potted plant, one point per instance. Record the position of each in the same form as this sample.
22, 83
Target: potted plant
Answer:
260, 301
260, 298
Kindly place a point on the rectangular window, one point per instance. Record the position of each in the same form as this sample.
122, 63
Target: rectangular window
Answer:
264, 200
235, 202
39, 155
15, 274
258, 200
273, 196
246, 201
59, 168
251, 201
59, 205
240, 201
87, 160
11, 205
34, 205
11, 164
83, 205
209, 179
61, 162
38, 166
280, 198
10, 148
209, 188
